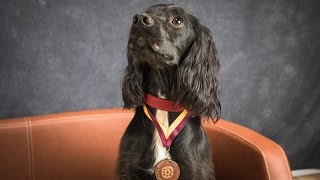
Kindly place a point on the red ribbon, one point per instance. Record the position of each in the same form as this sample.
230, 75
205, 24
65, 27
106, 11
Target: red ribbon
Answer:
163, 104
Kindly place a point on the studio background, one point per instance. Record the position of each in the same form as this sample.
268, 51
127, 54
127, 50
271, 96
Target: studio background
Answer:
70, 55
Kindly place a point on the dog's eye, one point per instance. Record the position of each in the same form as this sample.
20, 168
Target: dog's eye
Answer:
177, 21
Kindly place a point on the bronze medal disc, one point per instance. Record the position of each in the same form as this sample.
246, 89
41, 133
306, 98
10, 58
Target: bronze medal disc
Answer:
167, 170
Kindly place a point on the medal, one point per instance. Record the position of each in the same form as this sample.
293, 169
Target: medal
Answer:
166, 169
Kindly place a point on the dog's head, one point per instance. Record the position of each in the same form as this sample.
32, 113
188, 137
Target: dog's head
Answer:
161, 35
166, 36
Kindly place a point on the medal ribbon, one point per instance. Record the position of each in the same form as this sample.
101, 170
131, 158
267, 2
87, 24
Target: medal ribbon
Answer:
167, 134
163, 104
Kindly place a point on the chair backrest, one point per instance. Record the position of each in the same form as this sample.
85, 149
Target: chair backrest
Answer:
84, 145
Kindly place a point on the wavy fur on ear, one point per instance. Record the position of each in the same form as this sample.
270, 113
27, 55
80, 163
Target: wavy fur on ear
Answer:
132, 91
197, 77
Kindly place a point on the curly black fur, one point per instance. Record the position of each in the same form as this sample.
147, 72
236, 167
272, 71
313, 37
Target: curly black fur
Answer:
181, 64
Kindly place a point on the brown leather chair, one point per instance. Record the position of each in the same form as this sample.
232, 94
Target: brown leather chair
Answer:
84, 145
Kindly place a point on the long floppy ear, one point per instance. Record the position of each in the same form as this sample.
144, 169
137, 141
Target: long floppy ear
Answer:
132, 91
197, 77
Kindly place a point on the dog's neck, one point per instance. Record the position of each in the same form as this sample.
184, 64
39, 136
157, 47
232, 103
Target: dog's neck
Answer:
161, 82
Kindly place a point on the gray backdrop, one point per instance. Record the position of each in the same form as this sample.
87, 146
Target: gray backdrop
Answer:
69, 55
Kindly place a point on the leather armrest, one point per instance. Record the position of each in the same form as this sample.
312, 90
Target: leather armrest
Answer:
241, 153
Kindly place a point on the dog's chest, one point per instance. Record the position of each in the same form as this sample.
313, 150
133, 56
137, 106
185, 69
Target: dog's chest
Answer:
160, 152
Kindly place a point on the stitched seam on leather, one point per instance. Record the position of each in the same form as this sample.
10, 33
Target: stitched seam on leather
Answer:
28, 147
248, 142
76, 117
12, 125
31, 148
287, 163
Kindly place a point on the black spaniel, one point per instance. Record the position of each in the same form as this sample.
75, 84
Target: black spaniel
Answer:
172, 82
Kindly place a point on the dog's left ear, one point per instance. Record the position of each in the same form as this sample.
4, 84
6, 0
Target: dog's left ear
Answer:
197, 76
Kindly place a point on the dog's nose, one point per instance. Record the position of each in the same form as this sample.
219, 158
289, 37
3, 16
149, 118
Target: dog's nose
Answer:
143, 18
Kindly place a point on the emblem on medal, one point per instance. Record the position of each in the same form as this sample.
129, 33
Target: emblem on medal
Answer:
167, 170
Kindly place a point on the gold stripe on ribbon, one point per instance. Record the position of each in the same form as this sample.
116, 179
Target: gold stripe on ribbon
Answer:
173, 126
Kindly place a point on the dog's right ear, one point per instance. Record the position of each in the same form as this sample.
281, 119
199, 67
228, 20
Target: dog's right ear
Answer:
132, 91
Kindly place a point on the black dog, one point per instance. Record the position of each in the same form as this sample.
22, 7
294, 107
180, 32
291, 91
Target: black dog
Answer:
170, 56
